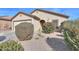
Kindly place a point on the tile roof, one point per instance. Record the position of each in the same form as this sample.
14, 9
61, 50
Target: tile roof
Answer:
51, 12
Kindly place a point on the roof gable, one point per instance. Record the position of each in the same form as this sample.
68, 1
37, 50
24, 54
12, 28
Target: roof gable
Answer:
35, 17
49, 12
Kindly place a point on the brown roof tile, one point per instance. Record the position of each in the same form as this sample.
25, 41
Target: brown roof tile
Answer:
62, 15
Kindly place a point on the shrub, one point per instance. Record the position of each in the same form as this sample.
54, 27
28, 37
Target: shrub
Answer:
48, 27
71, 42
24, 31
11, 46
66, 25
71, 34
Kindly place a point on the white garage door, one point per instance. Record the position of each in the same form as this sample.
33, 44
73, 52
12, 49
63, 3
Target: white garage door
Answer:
18, 22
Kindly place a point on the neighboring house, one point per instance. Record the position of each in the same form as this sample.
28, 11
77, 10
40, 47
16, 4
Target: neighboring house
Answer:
48, 16
5, 23
24, 17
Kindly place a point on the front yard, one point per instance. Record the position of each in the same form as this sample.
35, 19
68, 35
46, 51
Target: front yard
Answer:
48, 40
45, 42
51, 42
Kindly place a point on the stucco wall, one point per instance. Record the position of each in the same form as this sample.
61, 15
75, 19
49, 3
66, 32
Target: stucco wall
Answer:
49, 17
37, 25
5, 25
21, 17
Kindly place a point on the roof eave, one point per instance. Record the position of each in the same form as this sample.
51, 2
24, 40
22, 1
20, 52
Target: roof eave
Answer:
62, 15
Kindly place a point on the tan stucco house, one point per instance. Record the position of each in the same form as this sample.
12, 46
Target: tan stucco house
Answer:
9, 22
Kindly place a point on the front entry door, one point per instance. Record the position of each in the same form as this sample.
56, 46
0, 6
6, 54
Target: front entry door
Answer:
55, 23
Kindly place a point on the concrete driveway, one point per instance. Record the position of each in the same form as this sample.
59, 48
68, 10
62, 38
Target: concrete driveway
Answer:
49, 42
45, 42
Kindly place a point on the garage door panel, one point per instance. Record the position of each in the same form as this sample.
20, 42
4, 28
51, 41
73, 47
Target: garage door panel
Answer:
24, 31
16, 23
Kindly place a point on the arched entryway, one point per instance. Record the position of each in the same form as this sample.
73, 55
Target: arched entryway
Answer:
42, 22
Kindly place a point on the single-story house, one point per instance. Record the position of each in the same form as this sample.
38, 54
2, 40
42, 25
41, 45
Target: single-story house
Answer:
35, 17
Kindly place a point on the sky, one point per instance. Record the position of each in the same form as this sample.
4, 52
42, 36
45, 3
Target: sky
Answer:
73, 13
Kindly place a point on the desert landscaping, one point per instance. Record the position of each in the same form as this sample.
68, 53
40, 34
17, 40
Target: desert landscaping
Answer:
39, 31
45, 42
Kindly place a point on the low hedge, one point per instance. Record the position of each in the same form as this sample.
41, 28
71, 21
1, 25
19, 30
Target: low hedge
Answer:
11, 46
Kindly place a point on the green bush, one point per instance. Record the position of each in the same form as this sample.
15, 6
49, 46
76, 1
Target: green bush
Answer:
71, 42
11, 46
67, 25
24, 31
71, 34
48, 27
